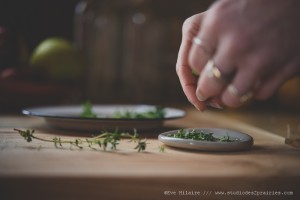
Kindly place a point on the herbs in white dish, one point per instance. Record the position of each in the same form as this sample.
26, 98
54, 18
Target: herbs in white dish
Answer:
200, 135
87, 111
155, 113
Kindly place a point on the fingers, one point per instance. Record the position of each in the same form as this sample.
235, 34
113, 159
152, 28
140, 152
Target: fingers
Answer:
199, 54
187, 79
240, 73
240, 90
216, 73
202, 50
233, 79
203, 46
233, 56
210, 82
224, 67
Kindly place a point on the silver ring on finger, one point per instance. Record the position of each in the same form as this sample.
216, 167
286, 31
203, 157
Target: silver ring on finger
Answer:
203, 44
210, 77
212, 71
242, 97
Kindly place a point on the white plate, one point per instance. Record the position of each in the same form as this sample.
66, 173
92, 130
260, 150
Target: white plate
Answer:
68, 117
241, 141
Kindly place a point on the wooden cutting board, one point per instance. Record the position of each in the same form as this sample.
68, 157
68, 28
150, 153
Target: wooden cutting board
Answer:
38, 168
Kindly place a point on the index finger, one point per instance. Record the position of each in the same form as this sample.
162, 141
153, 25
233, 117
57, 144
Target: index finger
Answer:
187, 80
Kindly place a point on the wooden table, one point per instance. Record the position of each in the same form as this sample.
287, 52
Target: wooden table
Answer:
38, 170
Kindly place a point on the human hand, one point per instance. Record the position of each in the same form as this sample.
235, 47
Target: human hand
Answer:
253, 47
187, 78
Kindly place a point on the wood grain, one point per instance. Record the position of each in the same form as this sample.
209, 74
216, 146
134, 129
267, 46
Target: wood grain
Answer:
127, 174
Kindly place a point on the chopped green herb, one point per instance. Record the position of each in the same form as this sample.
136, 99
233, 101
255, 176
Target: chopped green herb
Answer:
161, 149
88, 111
157, 112
199, 135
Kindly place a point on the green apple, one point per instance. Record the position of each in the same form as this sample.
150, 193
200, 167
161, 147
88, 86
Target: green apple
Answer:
58, 59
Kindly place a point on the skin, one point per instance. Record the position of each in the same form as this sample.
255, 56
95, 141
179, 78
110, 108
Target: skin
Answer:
254, 43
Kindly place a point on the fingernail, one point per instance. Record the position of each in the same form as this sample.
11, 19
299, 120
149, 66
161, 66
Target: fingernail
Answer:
200, 96
199, 109
199, 106
214, 105
246, 97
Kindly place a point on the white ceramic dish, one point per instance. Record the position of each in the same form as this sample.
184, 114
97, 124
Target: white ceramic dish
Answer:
241, 141
68, 117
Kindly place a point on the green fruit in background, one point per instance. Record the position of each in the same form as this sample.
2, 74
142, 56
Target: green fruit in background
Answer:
58, 59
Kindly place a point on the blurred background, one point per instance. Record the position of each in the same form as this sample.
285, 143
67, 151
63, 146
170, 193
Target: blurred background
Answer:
104, 51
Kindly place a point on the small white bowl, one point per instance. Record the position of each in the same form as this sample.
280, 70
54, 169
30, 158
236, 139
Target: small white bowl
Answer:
241, 141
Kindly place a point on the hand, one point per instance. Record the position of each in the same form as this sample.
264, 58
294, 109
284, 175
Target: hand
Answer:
187, 78
252, 46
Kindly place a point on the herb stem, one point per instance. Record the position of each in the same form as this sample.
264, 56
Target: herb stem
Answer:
101, 140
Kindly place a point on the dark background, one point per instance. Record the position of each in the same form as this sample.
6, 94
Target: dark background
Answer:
37, 19
31, 21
